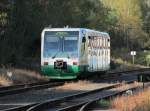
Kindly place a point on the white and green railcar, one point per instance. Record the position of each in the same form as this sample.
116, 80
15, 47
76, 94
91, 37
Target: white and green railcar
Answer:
67, 53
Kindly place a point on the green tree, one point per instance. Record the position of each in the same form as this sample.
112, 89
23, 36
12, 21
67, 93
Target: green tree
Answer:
145, 6
26, 20
129, 22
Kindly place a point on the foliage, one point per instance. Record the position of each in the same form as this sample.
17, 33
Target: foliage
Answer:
103, 102
23, 20
3, 17
129, 22
145, 6
27, 19
124, 57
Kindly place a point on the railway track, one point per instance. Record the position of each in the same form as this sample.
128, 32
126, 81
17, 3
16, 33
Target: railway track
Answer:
89, 106
64, 100
73, 102
70, 103
15, 89
83, 100
136, 71
67, 103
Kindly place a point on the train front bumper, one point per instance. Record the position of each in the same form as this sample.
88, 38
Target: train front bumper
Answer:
70, 73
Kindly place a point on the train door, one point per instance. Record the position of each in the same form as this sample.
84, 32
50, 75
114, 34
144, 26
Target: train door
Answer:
102, 52
105, 52
92, 55
95, 54
100, 58
108, 42
99, 54
97, 51
83, 56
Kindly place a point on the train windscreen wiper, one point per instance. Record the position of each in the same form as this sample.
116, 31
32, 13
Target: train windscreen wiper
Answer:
68, 55
55, 55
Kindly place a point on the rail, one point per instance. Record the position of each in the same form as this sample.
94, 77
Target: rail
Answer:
54, 102
15, 89
89, 105
62, 104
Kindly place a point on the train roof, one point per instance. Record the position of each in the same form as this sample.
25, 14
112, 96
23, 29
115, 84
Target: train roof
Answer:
74, 29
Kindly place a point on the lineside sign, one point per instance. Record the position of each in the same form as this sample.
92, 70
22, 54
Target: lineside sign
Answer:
133, 53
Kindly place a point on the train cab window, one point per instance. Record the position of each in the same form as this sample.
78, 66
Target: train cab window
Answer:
57, 42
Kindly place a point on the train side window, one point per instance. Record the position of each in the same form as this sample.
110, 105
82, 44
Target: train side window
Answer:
95, 42
108, 40
89, 37
99, 43
89, 41
104, 41
83, 39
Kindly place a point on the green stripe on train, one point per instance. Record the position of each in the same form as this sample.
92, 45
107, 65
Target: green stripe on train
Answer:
70, 73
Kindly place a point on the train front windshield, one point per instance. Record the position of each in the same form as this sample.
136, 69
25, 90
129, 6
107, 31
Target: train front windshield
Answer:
58, 43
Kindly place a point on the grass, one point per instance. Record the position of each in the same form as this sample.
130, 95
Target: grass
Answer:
103, 102
123, 56
4, 81
122, 65
137, 102
9, 76
76, 85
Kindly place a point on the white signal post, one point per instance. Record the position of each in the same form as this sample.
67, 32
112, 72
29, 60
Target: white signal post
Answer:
133, 53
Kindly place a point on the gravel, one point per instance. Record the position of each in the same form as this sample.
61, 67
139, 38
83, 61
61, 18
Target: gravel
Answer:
51, 93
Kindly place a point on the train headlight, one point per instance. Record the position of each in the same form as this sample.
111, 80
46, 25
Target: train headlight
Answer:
45, 63
75, 63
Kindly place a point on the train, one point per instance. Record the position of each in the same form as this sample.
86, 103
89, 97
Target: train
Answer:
68, 53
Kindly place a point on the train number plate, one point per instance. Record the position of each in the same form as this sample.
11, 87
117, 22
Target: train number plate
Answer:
60, 65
